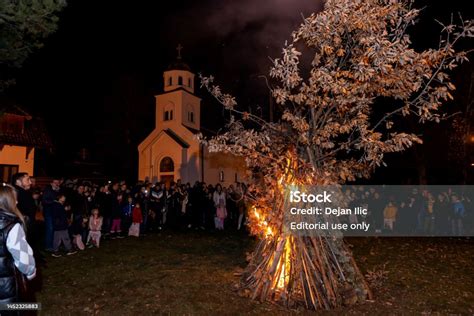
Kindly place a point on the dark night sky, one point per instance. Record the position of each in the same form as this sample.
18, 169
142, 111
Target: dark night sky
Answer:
94, 80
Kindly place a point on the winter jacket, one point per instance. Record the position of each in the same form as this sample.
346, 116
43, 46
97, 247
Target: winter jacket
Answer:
59, 216
137, 216
79, 204
26, 203
459, 210
390, 212
95, 224
8, 288
219, 198
127, 209
49, 196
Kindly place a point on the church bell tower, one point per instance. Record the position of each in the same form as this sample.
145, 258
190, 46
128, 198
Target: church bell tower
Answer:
178, 105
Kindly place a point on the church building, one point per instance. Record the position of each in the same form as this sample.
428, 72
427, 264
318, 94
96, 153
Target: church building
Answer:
171, 151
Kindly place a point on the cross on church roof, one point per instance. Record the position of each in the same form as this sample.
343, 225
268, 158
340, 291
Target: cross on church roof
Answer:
179, 48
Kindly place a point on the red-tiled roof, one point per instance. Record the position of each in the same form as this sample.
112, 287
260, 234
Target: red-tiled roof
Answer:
16, 110
18, 128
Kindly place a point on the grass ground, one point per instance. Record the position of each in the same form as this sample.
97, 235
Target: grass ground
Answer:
193, 273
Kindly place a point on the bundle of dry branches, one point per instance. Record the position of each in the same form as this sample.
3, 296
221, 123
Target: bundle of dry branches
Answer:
333, 128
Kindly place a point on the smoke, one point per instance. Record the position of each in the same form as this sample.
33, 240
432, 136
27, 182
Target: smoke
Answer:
246, 32
276, 15
255, 30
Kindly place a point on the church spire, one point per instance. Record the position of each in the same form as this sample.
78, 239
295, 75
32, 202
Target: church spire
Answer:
178, 74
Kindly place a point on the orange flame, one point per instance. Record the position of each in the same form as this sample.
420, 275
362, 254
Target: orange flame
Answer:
262, 223
285, 262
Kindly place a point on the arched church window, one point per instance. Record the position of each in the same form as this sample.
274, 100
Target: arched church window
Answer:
191, 117
189, 82
170, 81
168, 110
166, 165
221, 176
180, 81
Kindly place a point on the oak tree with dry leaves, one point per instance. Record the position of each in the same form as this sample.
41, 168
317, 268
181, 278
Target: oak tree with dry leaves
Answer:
338, 120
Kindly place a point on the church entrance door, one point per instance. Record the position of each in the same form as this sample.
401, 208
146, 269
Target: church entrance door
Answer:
166, 170
166, 179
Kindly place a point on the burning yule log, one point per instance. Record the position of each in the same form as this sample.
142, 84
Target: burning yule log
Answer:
317, 271
340, 112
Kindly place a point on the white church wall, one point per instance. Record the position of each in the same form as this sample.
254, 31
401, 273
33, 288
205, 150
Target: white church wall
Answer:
186, 76
223, 168
144, 166
191, 103
163, 102
193, 168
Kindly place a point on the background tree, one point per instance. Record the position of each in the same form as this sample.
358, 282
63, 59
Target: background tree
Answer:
462, 139
24, 25
341, 114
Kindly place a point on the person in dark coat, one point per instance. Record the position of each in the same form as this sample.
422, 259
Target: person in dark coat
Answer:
50, 195
79, 208
78, 202
376, 208
442, 209
60, 226
116, 228
26, 204
106, 209
28, 207
127, 208
195, 204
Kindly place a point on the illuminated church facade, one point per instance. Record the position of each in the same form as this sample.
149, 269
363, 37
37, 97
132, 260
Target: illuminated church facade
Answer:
171, 151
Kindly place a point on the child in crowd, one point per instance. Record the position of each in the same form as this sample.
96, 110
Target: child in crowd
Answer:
78, 228
116, 229
137, 219
60, 227
127, 209
95, 225
389, 215
219, 198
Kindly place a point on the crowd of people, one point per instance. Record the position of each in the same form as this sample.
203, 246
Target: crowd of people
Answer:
72, 215
67, 216
430, 211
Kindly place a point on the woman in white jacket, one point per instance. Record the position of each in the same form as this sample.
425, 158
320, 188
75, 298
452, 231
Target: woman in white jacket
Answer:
16, 254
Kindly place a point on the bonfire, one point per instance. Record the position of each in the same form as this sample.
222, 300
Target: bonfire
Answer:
341, 111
